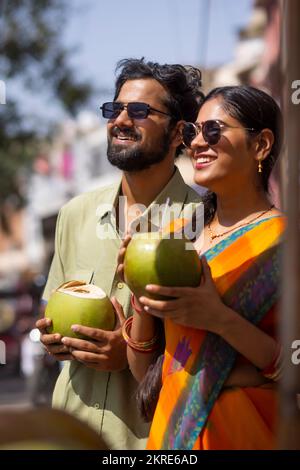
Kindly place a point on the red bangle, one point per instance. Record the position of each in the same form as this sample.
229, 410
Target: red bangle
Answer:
273, 371
134, 306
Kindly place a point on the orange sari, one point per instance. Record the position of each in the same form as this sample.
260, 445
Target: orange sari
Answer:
194, 411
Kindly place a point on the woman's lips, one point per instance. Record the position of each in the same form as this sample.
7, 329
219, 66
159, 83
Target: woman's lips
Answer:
203, 161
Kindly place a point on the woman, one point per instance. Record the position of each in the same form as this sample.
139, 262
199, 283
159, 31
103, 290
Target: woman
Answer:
222, 358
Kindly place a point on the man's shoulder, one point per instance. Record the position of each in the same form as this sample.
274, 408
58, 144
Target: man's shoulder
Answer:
91, 199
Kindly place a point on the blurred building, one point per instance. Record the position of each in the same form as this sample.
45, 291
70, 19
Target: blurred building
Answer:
256, 60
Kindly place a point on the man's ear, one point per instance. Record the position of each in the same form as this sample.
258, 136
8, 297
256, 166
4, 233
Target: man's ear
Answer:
263, 144
176, 139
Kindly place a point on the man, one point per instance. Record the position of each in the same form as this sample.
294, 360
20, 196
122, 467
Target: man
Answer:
150, 103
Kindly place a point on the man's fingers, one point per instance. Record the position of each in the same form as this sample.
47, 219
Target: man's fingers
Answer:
42, 324
94, 333
120, 271
84, 356
80, 344
51, 339
119, 311
63, 357
125, 243
126, 240
121, 255
59, 349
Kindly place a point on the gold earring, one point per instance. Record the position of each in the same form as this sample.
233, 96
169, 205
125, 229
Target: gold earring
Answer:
259, 167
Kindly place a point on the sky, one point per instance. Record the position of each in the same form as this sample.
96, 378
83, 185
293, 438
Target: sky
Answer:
101, 32
195, 32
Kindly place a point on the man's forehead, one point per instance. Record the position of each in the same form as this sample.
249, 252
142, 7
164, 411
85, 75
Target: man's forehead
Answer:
141, 89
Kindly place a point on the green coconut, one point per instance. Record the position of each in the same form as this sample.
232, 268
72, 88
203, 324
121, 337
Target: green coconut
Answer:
76, 302
155, 258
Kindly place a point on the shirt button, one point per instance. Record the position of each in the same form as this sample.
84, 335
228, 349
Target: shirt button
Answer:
120, 285
97, 406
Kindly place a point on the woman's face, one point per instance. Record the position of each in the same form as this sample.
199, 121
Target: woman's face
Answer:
229, 164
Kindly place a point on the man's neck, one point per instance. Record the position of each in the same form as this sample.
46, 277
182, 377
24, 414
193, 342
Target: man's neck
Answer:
142, 187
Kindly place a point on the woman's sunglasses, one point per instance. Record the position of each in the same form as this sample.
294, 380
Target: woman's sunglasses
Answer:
211, 131
135, 110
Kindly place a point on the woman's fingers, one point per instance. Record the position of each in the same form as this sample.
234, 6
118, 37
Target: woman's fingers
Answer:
169, 291
160, 305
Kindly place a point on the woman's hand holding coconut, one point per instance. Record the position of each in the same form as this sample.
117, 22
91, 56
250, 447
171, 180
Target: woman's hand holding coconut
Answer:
189, 306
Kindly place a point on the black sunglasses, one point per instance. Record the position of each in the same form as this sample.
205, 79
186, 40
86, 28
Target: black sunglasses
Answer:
211, 131
135, 110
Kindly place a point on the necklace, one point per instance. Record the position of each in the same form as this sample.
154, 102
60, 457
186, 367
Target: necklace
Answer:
213, 235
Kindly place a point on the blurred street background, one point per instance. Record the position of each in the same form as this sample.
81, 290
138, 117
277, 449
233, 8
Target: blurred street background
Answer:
57, 62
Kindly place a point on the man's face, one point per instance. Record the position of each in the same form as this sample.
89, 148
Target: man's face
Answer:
136, 144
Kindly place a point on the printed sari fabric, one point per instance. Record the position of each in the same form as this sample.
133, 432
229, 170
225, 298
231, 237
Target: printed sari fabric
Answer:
194, 410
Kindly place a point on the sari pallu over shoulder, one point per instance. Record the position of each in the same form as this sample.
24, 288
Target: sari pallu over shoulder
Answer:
246, 271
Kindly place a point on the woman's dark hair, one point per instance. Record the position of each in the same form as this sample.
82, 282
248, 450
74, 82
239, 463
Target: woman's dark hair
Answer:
181, 83
148, 390
253, 108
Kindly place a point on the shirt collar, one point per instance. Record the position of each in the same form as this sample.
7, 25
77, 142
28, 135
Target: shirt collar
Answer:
107, 207
175, 192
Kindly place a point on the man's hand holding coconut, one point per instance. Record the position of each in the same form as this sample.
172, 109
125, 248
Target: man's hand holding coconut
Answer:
82, 323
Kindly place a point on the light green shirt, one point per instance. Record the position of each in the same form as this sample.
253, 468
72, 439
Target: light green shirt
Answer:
103, 399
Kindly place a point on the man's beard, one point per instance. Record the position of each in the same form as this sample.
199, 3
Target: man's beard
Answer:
137, 158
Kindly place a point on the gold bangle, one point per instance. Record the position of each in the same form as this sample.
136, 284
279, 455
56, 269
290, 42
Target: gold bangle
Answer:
141, 346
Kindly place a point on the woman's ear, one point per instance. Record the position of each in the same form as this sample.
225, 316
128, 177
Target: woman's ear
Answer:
264, 143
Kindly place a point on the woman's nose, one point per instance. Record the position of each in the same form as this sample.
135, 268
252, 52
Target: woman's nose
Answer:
198, 141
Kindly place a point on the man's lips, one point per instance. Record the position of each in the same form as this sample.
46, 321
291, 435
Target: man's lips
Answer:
124, 140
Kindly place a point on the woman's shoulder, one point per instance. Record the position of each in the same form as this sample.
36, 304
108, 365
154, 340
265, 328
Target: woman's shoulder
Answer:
276, 212
275, 215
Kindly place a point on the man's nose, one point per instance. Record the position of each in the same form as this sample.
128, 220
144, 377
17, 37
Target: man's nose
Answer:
123, 120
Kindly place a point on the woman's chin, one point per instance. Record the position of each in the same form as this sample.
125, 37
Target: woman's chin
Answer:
201, 180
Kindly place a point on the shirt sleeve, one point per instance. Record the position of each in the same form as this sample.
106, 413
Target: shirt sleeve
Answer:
56, 275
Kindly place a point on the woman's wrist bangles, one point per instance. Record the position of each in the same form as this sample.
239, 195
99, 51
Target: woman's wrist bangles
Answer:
134, 305
274, 370
140, 346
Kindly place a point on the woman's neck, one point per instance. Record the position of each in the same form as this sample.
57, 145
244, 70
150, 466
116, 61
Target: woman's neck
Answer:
232, 208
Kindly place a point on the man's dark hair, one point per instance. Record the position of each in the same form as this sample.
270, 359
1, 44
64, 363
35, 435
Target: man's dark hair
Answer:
181, 83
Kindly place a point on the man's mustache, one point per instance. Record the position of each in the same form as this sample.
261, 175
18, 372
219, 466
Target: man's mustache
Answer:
125, 132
